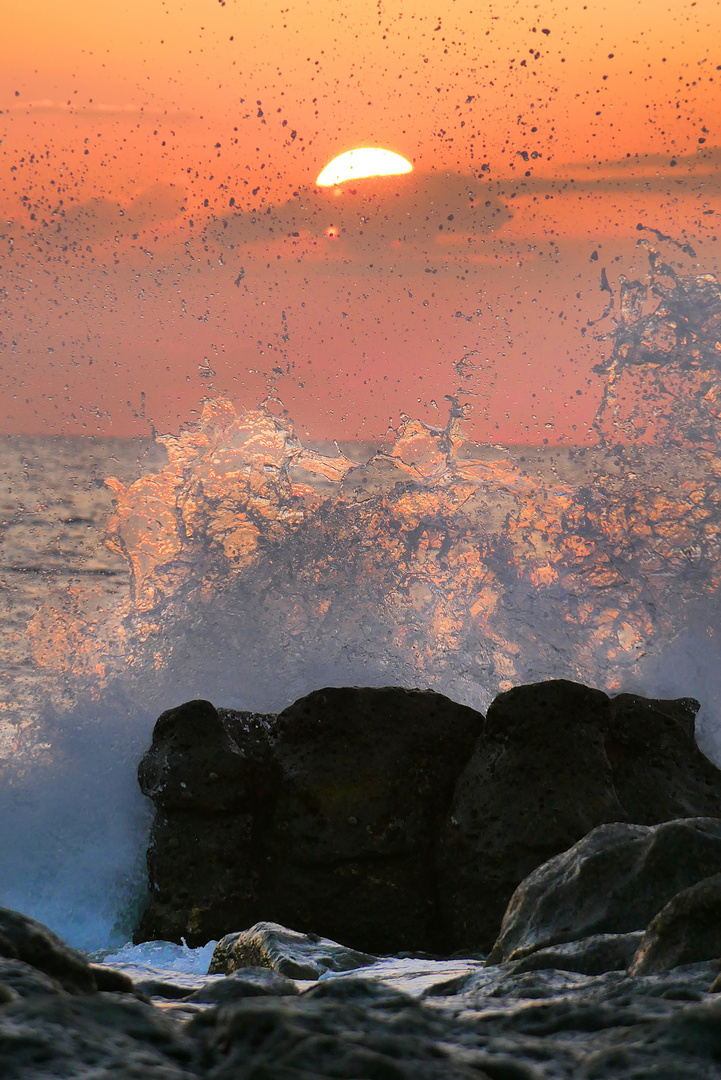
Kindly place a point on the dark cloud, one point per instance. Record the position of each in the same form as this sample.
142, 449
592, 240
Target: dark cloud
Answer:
638, 173
375, 213
98, 219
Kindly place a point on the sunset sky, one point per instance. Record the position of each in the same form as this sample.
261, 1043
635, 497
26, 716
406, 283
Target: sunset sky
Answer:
162, 237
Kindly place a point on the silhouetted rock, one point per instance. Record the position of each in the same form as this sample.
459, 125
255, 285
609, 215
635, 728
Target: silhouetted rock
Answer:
395, 819
206, 759
686, 930
555, 760
297, 956
366, 778
333, 827
613, 881
210, 774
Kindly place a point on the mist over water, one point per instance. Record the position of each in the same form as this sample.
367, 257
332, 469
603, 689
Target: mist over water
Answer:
261, 569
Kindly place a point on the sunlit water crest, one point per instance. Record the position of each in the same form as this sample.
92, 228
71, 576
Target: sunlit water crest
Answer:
247, 568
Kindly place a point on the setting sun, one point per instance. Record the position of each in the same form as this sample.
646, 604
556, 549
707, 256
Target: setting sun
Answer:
365, 161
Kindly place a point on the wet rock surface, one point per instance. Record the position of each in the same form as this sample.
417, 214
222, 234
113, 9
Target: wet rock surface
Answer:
297, 956
249, 982
614, 881
592, 955
395, 819
399, 1018
36, 949
686, 930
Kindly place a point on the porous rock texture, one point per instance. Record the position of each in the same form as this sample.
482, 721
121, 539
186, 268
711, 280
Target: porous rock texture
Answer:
686, 930
614, 881
340, 800
591, 955
211, 776
366, 779
555, 760
397, 1019
32, 956
394, 819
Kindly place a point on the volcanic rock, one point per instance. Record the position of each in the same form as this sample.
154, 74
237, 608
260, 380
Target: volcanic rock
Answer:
488, 1023
333, 826
366, 780
32, 943
18, 979
211, 776
590, 956
248, 982
396, 819
344, 1028
100, 1035
297, 956
686, 930
206, 759
613, 881
555, 760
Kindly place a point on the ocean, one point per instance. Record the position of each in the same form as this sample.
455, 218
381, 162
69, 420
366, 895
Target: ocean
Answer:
232, 563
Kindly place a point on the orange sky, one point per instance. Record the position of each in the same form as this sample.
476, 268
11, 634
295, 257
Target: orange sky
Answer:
157, 160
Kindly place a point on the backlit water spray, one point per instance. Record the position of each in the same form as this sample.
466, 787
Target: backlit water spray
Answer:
261, 569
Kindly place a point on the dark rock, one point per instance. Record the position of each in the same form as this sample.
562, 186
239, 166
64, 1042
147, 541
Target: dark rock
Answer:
19, 979
161, 988
555, 760
344, 1029
395, 819
495, 1023
54, 1035
211, 775
205, 872
612, 882
686, 930
203, 758
25, 939
366, 780
250, 982
295, 955
111, 981
590, 956
333, 824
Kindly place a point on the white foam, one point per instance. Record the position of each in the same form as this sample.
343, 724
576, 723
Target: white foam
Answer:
161, 956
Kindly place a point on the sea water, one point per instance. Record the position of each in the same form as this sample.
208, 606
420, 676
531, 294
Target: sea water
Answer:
248, 569
72, 821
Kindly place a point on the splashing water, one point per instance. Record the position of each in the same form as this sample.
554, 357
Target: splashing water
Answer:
261, 569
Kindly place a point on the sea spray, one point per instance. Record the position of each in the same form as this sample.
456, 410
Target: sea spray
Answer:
261, 569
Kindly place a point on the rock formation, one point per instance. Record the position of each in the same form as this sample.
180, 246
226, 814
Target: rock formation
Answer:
392, 819
325, 815
401, 1018
555, 760
686, 930
297, 956
614, 881
28, 948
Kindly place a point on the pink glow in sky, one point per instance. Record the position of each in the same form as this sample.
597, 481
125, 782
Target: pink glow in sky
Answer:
162, 237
